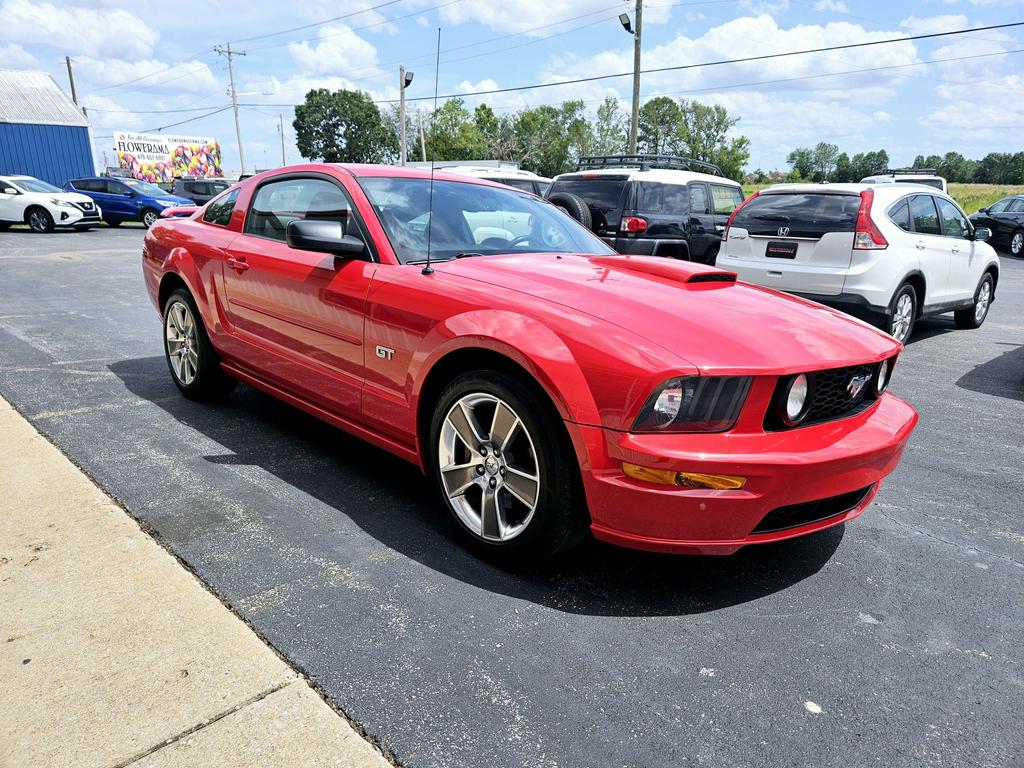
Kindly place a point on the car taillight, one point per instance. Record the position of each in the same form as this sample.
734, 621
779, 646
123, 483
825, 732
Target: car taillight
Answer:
633, 224
725, 232
868, 237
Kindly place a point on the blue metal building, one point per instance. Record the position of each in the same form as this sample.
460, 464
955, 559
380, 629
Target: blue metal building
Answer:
42, 133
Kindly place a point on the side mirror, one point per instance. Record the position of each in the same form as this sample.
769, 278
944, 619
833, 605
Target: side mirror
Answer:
323, 237
983, 210
981, 234
8, 191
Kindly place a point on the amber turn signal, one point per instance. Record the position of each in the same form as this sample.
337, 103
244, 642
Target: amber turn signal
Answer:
683, 479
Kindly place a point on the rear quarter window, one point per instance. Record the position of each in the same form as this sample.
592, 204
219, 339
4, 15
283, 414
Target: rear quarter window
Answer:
219, 211
804, 214
667, 199
726, 199
899, 214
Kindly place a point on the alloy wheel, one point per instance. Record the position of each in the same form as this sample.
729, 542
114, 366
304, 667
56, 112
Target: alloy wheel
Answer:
182, 343
902, 317
984, 298
1017, 243
489, 467
149, 219
37, 221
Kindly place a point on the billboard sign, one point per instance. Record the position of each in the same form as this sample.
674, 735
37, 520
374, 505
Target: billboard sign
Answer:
160, 157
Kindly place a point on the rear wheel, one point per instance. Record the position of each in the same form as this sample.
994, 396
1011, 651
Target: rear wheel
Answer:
112, 223
191, 358
510, 482
975, 316
1017, 243
39, 220
149, 218
903, 313
574, 206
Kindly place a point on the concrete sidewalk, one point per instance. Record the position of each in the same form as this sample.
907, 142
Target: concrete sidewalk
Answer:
112, 654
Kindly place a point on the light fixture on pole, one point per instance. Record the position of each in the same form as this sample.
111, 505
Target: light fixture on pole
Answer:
404, 81
626, 25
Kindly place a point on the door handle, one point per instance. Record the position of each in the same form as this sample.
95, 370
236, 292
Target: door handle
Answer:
920, 245
719, 228
956, 249
238, 264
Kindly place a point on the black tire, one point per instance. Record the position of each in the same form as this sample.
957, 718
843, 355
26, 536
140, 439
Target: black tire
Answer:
208, 380
149, 217
110, 223
559, 519
5, 225
574, 206
900, 322
39, 220
975, 316
1017, 242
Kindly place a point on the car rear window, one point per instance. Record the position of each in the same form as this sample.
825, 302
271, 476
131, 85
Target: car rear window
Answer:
670, 199
804, 214
601, 193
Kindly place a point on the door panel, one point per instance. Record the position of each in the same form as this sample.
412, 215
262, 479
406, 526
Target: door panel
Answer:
932, 249
702, 222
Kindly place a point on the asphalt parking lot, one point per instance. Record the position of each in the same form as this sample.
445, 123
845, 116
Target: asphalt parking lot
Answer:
893, 641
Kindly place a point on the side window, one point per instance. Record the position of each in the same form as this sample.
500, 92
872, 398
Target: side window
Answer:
277, 203
1001, 206
524, 184
924, 215
219, 211
954, 223
699, 199
1017, 206
899, 214
725, 198
667, 199
113, 188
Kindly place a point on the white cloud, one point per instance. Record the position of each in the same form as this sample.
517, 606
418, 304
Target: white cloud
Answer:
932, 24
337, 49
836, 6
881, 117
150, 77
16, 57
76, 31
540, 19
975, 124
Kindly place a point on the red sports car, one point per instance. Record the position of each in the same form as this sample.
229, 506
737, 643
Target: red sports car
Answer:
547, 385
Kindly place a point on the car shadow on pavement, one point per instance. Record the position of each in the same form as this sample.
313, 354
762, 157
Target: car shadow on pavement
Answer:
336, 469
1001, 376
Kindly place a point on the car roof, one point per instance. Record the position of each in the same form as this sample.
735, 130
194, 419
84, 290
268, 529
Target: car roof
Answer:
483, 171
842, 188
662, 175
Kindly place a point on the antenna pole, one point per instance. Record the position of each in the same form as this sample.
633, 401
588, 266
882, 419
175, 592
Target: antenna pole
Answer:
430, 205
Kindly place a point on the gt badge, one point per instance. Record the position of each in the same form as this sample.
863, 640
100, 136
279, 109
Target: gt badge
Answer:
385, 353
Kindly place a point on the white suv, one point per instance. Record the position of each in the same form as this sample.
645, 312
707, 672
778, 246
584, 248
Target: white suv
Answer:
510, 177
27, 200
888, 254
924, 176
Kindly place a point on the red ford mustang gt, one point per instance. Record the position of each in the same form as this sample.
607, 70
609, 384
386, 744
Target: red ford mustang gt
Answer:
548, 385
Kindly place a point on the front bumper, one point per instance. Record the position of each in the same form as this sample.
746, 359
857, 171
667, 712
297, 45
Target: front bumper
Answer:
76, 216
849, 456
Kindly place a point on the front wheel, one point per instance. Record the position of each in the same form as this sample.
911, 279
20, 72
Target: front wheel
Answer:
1017, 243
191, 358
902, 313
510, 481
149, 218
40, 220
975, 315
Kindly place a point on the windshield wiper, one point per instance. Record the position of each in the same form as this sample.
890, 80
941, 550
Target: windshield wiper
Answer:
467, 254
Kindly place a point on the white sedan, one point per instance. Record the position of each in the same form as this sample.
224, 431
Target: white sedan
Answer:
27, 200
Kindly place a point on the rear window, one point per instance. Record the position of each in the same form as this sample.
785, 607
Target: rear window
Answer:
804, 214
936, 183
600, 193
669, 199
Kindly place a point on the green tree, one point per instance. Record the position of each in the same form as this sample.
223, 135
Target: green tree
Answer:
801, 160
824, 156
844, 168
453, 135
549, 139
498, 133
610, 128
343, 127
658, 127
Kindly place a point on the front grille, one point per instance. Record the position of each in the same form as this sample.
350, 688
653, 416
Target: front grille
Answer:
831, 396
795, 515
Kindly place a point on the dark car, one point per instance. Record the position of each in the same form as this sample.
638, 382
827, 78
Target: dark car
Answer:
199, 191
1006, 220
124, 200
650, 205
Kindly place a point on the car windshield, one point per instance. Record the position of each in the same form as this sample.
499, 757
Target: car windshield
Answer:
143, 188
35, 185
470, 220
218, 186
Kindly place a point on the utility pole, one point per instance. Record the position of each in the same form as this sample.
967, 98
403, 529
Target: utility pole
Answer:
635, 120
71, 77
404, 81
423, 141
227, 52
280, 127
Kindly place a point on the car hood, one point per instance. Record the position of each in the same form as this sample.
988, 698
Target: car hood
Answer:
696, 312
70, 197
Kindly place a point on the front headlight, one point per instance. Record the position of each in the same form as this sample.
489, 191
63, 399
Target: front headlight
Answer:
167, 203
61, 203
694, 404
883, 375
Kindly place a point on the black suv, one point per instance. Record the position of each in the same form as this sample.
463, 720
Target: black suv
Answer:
199, 191
650, 205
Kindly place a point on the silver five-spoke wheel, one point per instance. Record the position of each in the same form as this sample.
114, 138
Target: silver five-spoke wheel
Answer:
981, 305
1017, 243
902, 317
182, 343
489, 467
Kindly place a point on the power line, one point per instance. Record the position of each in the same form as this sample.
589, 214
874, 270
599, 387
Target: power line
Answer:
319, 23
156, 72
189, 120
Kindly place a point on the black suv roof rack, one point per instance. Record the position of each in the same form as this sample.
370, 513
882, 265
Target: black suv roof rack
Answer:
894, 171
646, 162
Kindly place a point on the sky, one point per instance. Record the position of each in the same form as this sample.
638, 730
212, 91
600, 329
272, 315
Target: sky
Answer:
145, 65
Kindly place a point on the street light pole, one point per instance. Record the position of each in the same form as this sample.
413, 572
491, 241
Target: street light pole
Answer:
226, 51
280, 127
635, 120
404, 81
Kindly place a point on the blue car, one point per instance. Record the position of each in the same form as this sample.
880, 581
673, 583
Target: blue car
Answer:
126, 199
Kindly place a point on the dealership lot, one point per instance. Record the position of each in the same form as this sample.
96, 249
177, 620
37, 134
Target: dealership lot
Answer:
892, 641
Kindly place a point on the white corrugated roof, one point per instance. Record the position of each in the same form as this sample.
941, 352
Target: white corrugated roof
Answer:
28, 96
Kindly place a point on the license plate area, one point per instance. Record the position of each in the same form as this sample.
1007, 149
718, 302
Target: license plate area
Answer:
776, 250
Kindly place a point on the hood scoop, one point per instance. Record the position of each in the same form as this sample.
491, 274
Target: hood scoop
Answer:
685, 272
713, 277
